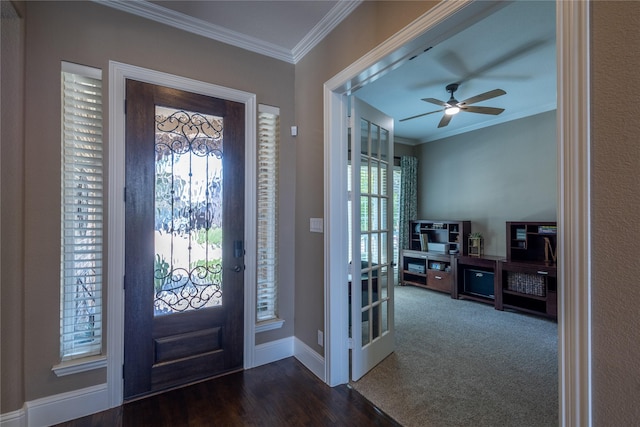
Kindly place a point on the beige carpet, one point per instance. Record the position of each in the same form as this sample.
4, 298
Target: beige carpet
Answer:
462, 363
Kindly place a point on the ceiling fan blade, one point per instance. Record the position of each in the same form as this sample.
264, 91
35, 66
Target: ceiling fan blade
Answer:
419, 115
510, 56
436, 101
483, 110
453, 63
445, 120
483, 97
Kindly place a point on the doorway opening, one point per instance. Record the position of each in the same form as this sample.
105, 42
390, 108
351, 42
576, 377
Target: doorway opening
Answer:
572, 34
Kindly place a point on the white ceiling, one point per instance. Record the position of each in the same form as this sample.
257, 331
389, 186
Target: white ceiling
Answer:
513, 49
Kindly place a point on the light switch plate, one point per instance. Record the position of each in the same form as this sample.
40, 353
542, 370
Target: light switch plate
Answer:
316, 225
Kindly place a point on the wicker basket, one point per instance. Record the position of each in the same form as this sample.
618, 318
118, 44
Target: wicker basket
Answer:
530, 284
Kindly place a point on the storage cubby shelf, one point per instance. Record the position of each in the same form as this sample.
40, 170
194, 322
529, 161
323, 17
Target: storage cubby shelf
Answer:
429, 263
528, 276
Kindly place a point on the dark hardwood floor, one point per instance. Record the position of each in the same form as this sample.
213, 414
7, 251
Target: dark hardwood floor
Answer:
282, 393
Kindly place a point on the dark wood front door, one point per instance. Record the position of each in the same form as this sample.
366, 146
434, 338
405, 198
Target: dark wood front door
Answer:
184, 225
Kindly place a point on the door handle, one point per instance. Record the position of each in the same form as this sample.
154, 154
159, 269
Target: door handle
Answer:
238, 250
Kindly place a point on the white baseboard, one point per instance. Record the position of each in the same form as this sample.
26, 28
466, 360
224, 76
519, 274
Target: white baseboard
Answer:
309, 358
80, 403
287, 347
273, 351
67, 406
13, 419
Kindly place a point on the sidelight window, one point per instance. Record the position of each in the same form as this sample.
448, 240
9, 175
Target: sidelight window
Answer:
82, 213
267, 241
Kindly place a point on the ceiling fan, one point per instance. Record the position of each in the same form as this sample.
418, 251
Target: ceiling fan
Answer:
453, 106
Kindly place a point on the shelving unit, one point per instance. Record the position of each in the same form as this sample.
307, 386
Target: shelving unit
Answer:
428, 270
527, 241
528, 277
439, 236
430, 261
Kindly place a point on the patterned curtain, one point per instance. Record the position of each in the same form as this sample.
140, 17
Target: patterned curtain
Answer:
408, 200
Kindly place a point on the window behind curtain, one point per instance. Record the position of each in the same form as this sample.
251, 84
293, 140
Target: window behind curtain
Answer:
397, 181
267, 243
82, 212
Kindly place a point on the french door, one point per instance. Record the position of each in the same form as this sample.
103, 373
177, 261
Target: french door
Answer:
371, 266
184, 228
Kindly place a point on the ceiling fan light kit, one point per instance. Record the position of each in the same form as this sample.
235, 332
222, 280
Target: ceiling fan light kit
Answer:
453, 106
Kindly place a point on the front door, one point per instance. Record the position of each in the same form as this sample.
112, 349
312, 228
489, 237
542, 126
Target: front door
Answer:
372, 331
184, 249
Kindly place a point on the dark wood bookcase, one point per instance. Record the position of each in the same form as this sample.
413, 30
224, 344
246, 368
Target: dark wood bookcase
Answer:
430, 261
528, 277
448, 237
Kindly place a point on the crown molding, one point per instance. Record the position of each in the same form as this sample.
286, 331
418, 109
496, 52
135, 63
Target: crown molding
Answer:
538, 109
197, 26
405, 141
152, 11
339, 12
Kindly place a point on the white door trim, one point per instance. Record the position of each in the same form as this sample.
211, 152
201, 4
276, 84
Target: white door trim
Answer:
574, 211
118, 73
574, 321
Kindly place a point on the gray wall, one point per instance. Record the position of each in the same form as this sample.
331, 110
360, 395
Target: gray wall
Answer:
12, 223
492, 175
401, 149
615, 181
91, 34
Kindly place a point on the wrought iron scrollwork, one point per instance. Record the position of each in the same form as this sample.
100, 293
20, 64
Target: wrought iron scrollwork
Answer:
182, 290
181, 133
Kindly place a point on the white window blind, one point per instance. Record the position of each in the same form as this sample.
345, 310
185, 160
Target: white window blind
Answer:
267, 244
82, 213
397, 180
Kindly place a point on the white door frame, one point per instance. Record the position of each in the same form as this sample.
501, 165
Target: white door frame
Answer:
118, 73
573, 124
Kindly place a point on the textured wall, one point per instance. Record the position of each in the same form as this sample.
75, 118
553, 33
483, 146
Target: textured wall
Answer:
615, 204
11, 227
492, 175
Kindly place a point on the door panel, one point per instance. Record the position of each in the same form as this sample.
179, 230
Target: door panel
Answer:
372, 244
183, 219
